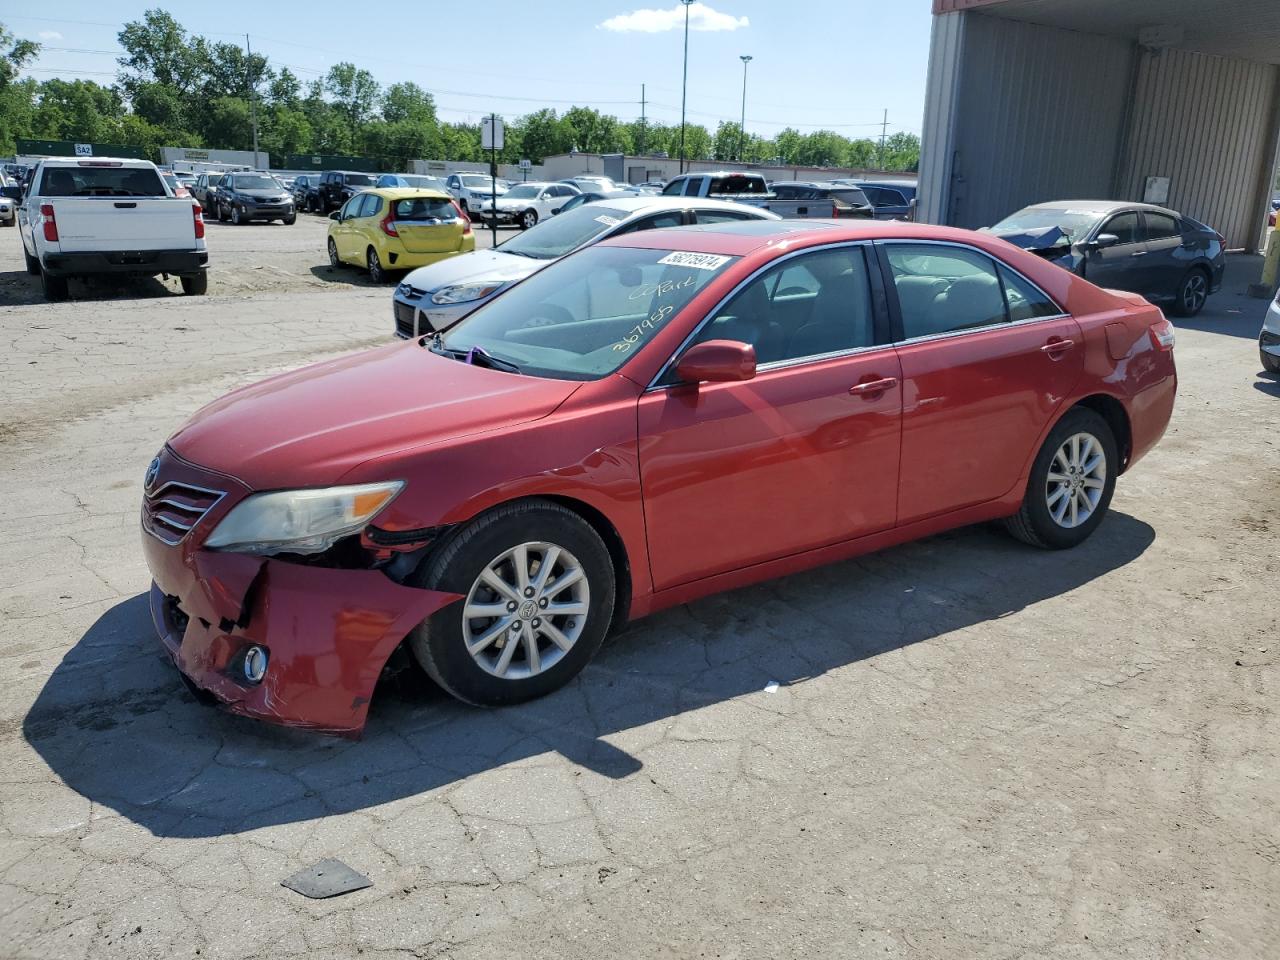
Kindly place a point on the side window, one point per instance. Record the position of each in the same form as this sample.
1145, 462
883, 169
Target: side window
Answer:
349, 208
1125, 226
668, 218
674, 188
1023, 300
784, 191
892, 198
693, 187
721, 216
942, 289
369, 204
1161, 227
811, 305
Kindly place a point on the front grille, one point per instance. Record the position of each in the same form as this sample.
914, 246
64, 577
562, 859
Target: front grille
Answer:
404, 319
410, 292
174, 508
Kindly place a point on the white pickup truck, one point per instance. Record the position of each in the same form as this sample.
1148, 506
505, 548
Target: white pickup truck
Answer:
103, 215
749, 188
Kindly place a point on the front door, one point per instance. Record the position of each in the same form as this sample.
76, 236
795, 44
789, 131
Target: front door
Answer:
987, 358
803, 455
1120, 266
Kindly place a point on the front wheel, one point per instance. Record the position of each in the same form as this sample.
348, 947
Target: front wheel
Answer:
1072, 480
289, 221
333, 254
538, 589
528, 219
1192, 293
236, 217
1269, 363
377, 274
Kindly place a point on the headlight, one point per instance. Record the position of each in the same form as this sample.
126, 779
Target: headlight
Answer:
301, 521
462, 292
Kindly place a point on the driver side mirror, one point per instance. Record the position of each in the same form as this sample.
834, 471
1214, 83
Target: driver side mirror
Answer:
336, 215
1102, 241
717, 361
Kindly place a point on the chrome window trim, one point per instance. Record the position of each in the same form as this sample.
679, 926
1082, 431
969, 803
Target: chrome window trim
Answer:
776, 364
1003, 325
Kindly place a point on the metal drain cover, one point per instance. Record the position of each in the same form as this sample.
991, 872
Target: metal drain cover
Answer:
328, 878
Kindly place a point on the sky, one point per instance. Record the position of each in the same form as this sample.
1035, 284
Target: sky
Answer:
833, 64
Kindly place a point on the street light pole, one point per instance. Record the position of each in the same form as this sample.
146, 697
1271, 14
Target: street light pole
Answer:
742, 127
684, 89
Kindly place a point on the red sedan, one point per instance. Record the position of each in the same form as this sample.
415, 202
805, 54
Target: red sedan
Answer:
663, 416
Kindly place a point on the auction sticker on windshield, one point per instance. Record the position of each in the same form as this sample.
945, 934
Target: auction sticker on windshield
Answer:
607, 220
699, 261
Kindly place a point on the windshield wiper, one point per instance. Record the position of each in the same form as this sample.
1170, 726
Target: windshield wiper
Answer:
477, 356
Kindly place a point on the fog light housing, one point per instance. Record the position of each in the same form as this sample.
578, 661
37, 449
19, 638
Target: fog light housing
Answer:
254, 664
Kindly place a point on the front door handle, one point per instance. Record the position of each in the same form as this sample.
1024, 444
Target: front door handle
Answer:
1140, 253
873, 388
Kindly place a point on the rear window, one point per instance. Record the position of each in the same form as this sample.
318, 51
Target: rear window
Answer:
850, 195
101, 182
424, 208
738, 183
359, 180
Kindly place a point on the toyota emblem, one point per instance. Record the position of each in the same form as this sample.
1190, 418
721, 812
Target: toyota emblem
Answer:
153, 471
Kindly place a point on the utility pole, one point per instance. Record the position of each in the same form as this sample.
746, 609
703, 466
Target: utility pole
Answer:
253, 97
884, 127
684, 88
643, 127
742, 127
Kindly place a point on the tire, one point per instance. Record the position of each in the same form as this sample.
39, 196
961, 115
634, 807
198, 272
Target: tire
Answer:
528, 219
440, 642
53, 288
33, 265
223, 216
1192, 293
290, 221
1269, 363
195, 285
334, 260
377, 274
1034, 523
236, 217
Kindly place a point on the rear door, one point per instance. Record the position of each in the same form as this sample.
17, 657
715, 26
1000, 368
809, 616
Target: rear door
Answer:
1120, 266
1164, 263
803, 455
428, 224
987, 358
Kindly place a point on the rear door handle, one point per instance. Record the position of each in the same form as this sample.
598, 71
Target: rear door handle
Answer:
872, 387
1057, 346
1140, 253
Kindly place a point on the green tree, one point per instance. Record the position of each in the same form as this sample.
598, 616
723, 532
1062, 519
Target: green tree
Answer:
725, 143
158, 50
284, 89
355, 91
14, 55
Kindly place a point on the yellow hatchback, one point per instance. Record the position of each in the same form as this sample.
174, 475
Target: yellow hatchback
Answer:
398, 229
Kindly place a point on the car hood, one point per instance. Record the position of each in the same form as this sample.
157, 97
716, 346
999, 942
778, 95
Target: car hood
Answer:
482, 265
280, 195
312, 426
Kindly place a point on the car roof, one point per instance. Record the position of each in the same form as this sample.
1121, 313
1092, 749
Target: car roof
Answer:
1099, 207
133, 162
405, 193
742, 237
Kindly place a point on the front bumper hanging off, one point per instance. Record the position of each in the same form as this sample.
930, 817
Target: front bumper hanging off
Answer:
327, 632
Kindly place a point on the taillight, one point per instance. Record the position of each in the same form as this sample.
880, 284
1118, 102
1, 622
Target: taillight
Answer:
50, 222
1162, 335
388, 224
462, 215
199, 215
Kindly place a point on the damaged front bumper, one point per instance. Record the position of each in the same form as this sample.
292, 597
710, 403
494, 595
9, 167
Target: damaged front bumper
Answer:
327, 632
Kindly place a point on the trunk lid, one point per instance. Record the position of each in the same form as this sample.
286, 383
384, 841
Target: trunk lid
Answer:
124, 223
428, 224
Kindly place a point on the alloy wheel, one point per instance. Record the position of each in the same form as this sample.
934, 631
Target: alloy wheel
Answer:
376, 273
1076, 480
333, 253
526, 610
1195, 289
529, 220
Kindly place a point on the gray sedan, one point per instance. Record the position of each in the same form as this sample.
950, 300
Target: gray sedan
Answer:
435, 296
1165, 256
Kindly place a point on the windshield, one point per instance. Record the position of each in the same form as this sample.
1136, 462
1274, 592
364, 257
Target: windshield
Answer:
1076, 224
478, 181
357, 179
523, 190
571, 229
92, 181
422, 183
580, 319
255, 183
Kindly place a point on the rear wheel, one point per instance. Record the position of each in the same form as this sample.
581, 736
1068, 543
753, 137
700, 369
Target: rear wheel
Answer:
195, 285
538, 591
1193, 291
333, 254
1071, 483
53, 288
222, 214
33, 265
376, 272
528, 219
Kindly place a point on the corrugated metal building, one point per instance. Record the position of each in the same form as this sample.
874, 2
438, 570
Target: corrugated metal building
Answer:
1034, 100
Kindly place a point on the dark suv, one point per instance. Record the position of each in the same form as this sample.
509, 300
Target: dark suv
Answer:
205, 192
306, 192
849, 201
339, 186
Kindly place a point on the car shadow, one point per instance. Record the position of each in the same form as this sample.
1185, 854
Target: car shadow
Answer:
17, 287
353, 276
115, 723
1268, 383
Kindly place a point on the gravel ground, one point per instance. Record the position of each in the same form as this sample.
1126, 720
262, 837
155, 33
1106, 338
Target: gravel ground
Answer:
244, 261
975, 750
